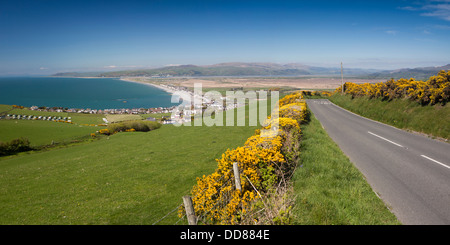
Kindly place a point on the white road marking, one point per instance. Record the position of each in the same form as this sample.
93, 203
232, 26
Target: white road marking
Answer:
392, 142
431, 159
322, 102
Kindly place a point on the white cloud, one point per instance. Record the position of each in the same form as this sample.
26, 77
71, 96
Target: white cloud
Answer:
43, 68
441, 11
410, 8
434, 8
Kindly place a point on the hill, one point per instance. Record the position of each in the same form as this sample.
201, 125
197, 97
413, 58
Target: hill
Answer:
227, 69
419, 73
264, 69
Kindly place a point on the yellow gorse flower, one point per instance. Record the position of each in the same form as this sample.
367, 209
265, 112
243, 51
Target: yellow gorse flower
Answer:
215, 197
435, 90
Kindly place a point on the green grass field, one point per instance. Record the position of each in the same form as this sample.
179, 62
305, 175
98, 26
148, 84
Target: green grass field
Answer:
113, 118
155, 115
126, 178
40, 132
43, 132
130, 178
400, 113
329, 189
78, 118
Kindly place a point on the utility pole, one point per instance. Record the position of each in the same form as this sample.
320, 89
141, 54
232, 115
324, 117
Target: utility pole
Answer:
342, 79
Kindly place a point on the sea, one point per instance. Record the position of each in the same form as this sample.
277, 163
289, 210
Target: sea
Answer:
81, 93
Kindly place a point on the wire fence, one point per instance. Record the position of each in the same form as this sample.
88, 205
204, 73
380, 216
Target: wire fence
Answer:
268, 208
201, 217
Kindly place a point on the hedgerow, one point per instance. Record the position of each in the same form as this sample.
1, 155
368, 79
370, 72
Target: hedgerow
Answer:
14, 146
435, 90
138, 125
264, 163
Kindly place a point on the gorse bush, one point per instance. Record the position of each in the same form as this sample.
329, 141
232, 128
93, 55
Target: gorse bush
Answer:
317, 93
263, 162
435, 90
14, 146
139, 125
104, 131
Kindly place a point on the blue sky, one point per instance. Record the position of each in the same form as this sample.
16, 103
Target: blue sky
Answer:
44, 37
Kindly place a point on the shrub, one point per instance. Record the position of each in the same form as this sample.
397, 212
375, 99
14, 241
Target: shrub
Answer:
435, 90
139, 125
14, 146
104, 131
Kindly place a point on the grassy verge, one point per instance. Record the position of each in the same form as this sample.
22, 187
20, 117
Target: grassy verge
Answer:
400, 113
329, 189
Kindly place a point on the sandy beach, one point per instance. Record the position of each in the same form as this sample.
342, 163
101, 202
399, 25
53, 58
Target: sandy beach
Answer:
134, 80
185, 95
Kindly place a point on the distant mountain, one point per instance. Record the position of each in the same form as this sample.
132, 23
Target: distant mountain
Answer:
224, 69
419, 73
227, 69
264, 69
294, 69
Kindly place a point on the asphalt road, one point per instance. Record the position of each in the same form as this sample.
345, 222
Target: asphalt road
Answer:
409, 172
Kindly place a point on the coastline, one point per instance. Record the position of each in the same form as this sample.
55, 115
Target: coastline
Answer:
185, 95
129, 79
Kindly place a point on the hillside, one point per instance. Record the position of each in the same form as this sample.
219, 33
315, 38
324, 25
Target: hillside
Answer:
127, 178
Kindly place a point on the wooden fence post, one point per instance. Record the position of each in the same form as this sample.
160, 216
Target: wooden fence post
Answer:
192, 219
237, 177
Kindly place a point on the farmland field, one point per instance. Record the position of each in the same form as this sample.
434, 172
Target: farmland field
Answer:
43, 132
78, 118
127, 178
120, 118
